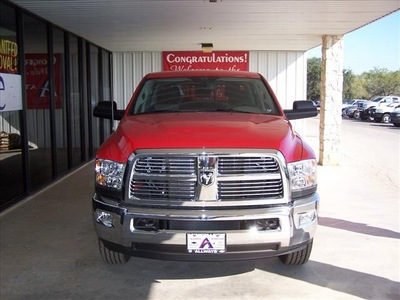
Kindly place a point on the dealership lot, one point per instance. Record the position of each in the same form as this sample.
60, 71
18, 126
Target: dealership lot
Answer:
49, 248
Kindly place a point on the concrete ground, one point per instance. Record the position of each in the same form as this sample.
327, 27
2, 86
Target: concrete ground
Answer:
49, 248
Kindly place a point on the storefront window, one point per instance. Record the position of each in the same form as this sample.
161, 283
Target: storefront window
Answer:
38, 101
94, 94
60, 100
11, 167
74, 98
106, 87
46, 102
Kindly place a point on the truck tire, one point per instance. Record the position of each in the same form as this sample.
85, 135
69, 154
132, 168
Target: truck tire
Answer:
386, 118
112, 257
356, 114
298, 257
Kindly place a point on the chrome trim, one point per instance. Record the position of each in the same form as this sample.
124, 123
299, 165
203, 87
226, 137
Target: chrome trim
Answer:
289, 233
251, 187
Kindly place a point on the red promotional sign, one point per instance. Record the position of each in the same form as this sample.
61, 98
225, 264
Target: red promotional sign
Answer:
37, 81
197, 60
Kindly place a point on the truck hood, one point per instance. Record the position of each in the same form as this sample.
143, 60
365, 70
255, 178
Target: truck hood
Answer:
202, 131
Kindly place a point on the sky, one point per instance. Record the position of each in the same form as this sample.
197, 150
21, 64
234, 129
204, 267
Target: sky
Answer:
374, 45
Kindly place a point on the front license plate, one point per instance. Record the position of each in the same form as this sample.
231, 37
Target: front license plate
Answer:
206, 242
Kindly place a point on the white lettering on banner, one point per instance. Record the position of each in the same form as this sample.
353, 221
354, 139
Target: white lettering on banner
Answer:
196, 60
10, 92
213, 58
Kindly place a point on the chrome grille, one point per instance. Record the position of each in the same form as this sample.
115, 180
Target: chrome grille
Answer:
158, 189
250, 189
165, 165
247, 165
174, 177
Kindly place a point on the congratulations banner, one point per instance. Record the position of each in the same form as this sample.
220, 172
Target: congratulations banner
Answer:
197, 60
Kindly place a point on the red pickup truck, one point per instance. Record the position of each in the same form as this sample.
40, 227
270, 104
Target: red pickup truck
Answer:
205, 166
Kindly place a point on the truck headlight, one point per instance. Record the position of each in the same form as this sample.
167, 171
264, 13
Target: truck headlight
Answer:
109, 173
303, 177
379, 110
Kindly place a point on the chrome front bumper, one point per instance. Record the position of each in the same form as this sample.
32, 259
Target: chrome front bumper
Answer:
297, 225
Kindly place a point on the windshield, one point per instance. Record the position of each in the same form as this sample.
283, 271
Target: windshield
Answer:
204, 94
377, 99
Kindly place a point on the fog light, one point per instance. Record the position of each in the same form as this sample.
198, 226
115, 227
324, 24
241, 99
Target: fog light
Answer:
267, 224
307, 218
105, 218
146, 224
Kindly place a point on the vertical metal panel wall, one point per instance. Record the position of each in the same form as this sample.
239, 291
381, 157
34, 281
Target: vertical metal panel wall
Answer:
286, 72
128, 70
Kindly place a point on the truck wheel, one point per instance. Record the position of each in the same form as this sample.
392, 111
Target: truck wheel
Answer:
356, 114
110, 256
298, 257
377, 120
386, 118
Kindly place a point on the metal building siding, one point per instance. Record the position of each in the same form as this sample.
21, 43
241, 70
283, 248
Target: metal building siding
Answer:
128, 70
286, 72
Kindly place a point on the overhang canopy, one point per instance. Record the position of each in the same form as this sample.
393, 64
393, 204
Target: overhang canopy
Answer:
158, 25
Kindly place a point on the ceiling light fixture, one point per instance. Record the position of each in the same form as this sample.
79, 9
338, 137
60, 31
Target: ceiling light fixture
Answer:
207, 47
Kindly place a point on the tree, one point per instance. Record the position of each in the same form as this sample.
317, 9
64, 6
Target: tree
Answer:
381, 82
348, 81
313, 78
377, 82
358, 88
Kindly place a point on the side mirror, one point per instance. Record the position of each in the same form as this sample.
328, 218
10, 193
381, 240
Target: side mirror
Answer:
108, 110
301, 110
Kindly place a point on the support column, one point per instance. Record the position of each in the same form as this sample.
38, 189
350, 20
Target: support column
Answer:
331, 100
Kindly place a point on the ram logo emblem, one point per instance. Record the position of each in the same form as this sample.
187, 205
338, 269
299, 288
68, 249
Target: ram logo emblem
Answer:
206, 178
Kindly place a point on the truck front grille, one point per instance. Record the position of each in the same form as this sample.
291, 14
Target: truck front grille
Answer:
205, 177
247, 165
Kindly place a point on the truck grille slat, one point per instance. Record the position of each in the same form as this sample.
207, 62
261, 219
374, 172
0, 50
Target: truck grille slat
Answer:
163, 177
162, 189
157, 165
250, 165
255, 189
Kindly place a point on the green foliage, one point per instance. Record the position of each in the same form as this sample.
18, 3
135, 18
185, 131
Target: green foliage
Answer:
377, 82
348, 80
381, 82
313, 78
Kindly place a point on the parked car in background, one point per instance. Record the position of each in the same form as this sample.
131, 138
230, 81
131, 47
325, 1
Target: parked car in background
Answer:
317, 102
378, 101
350, 110
395, 116
375, 102
382, 113
366, 114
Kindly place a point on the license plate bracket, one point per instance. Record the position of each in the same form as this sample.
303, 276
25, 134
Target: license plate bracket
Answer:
203, 243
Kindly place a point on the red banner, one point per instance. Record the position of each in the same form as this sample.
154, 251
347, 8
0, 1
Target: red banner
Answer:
197, 60
37, 80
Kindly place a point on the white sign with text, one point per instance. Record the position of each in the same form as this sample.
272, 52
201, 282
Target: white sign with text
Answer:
10, 92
